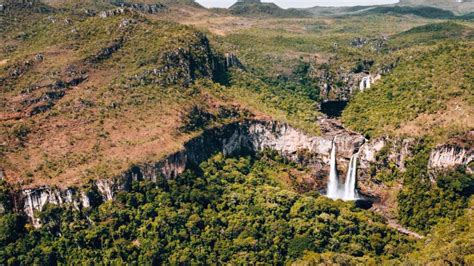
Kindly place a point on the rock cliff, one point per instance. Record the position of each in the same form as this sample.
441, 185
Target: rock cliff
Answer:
458, 151
235, 138
240, 138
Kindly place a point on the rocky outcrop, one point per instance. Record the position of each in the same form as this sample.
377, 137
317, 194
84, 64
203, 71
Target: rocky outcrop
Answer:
339, 84
15, 71
231, 60
248, 137
106, 52
235, 138
449, 156
369, 151
455, 152
383, 150
33, 5
184, 65
133, 7
35, 200
39, 97
367, 81
376, 44
142, 7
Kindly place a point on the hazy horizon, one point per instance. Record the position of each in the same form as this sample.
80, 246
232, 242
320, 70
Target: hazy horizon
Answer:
302, 3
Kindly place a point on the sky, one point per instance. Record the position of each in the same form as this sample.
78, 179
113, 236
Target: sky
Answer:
301, 3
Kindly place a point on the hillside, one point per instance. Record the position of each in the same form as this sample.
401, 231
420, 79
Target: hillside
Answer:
162, 132
422, 11
426, 11
461, 7
257, 8
411, 100
94, 83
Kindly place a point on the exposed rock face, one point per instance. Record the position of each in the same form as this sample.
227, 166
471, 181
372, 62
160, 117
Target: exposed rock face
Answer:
39, 97
2, 174
106, 52
368, 152
146, 8
130, 7
36, 199
34, 5
241, 137
348, 83
365, 83
448, 156
397, 151
457, 151
249, 1
380, 153
340, 84
231, 60
20, 3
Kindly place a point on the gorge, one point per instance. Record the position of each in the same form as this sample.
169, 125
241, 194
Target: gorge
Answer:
166, 133
319, 153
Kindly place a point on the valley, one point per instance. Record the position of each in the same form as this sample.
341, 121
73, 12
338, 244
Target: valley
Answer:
163, 132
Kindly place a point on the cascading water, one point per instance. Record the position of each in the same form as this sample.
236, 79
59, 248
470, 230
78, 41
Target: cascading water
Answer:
333, 184
350, 192
335, 190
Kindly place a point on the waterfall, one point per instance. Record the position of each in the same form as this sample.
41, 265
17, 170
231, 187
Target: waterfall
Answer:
350, 192
333, 184
335, 190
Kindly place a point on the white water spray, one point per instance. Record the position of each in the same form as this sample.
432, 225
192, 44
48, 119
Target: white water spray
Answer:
333, 184
335, 190
350, 192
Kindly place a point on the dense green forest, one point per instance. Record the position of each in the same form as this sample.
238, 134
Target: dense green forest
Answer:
89, 89
423, 203
230, 210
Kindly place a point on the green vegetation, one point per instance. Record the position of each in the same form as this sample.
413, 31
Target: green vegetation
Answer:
422, 11
137, 71
431, 33
257, 8
415, 87
423, 203
236, 211
451, 241
151, 84
291, 102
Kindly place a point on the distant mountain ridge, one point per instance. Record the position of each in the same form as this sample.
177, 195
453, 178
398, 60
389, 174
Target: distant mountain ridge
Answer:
257, 8
458, 6
427, 11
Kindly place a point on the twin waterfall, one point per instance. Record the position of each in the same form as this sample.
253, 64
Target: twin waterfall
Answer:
339, 191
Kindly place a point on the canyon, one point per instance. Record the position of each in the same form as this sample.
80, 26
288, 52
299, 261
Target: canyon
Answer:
252, 136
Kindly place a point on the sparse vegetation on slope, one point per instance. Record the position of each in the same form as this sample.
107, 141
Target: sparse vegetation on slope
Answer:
418, 92
422, 11
132, 78
90, 88
257, 8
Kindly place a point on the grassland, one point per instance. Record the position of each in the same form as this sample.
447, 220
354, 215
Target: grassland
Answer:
121, 114
85, 97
